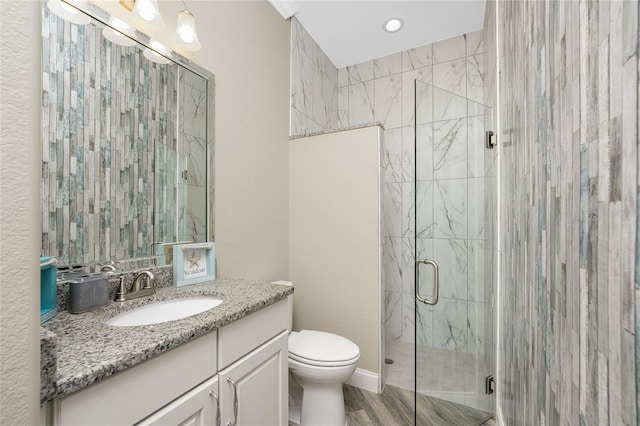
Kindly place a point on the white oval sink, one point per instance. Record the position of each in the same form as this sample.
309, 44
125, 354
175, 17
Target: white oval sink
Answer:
168, 310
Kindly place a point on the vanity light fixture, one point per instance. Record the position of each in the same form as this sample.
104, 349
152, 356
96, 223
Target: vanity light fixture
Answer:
118, 31
157, 52
392, 25
68, 12
186, 30
148, 11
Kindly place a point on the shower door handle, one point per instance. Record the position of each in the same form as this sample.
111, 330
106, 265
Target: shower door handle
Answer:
436, 281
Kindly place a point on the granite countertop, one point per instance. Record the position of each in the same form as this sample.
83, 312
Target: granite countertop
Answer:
80, 349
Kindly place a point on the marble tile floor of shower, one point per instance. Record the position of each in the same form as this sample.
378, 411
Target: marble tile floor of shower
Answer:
395, 407
452, 376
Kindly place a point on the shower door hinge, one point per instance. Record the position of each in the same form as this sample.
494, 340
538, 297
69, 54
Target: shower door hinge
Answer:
489, 140
488, 385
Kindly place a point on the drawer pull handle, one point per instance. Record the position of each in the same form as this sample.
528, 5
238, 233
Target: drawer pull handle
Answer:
235, 402
214, 396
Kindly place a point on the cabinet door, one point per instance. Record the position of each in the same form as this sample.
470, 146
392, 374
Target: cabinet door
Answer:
257, 385
198, 407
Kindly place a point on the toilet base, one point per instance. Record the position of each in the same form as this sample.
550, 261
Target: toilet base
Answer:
315, 403
320, 404
295, 402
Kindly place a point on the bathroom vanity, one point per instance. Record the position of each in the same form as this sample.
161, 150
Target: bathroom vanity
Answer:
221, 366
227, 365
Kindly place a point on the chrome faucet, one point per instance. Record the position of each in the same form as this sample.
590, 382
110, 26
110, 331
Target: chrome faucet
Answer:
148, 282
107, 268
138, 289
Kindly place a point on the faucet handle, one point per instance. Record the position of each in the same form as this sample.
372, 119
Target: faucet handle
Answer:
122, 291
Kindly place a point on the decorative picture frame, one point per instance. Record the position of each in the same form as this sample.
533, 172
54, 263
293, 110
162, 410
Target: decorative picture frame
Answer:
194, 263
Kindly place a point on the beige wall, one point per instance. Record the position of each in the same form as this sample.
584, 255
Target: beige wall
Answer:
335, 241
19, 212
246, 45
249, 54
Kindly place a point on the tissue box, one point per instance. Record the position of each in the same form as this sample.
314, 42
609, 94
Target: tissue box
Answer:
48, 289
88, 293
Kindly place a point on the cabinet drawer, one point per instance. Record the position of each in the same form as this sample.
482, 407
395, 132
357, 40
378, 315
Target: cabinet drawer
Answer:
242, 336
134, 394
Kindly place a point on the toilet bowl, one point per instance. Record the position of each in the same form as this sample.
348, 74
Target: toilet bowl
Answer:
319, 364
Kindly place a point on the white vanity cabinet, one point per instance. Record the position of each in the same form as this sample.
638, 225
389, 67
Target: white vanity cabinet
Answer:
243, 364
253, 375
198, 407
253, 391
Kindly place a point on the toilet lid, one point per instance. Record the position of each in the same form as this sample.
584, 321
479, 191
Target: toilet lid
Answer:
318, 347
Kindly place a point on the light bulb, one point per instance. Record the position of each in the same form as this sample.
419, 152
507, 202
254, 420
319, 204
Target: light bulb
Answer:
117, 32
68, 12
157, 52
186, 31
120, 25
154, 56
117, 37
68, 8
187, 34
148, 11
159, 47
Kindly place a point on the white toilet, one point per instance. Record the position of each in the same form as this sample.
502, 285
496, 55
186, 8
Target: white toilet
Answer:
319, 364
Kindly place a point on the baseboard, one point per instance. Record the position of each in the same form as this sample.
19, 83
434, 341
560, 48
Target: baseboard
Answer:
499, 417
364, 379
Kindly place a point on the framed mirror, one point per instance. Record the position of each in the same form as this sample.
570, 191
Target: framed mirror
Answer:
127, 145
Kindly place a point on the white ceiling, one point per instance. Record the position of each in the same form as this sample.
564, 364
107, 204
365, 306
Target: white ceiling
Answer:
350, 31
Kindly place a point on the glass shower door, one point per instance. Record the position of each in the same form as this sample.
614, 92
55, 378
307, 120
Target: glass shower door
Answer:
452, 239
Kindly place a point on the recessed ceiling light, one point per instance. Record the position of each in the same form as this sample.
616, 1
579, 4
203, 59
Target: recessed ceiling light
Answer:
393, 25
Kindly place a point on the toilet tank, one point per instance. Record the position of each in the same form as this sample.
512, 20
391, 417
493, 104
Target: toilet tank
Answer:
289, 302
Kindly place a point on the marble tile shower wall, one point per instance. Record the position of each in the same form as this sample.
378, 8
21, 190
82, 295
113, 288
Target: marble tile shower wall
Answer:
192, 149
166, 194
382, 91
103, 107
314, 86
450, 185
569, 184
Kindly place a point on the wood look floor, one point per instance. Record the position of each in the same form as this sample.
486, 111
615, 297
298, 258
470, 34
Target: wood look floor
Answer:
395, 406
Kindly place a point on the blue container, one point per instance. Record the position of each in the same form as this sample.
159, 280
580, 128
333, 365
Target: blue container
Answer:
48, 288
